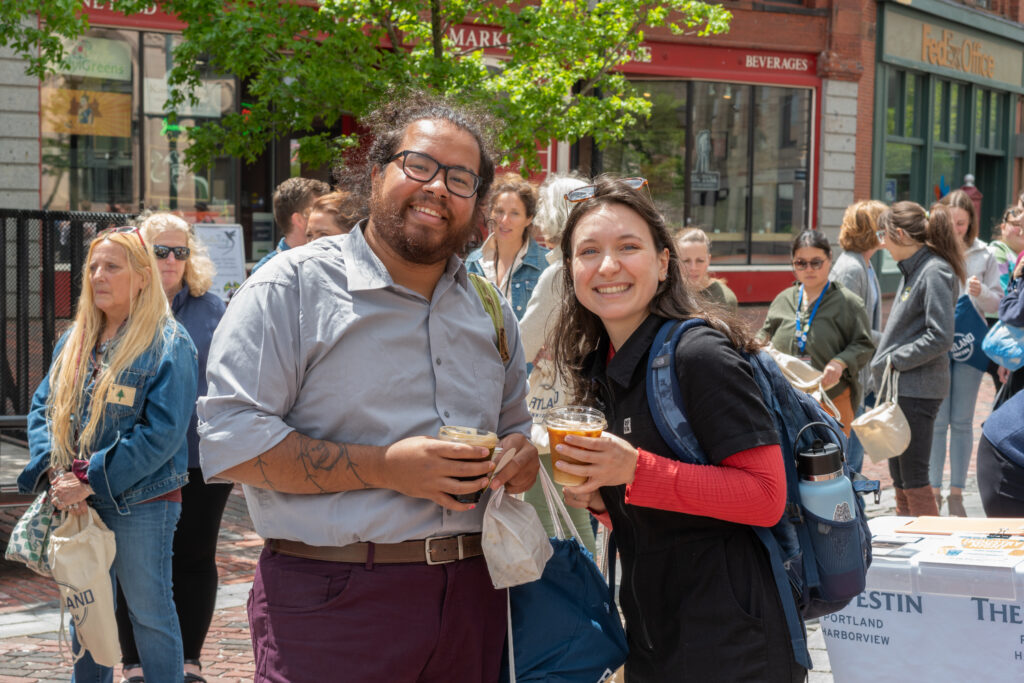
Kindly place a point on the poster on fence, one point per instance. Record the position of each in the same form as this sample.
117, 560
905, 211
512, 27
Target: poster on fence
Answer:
226, 245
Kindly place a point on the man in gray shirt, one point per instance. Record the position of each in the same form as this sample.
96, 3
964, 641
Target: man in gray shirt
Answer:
333, 370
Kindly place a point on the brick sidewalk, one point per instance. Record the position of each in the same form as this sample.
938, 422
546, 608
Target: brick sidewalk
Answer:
227, 655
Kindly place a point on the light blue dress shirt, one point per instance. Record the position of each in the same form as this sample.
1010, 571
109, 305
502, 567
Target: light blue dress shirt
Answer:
323, 341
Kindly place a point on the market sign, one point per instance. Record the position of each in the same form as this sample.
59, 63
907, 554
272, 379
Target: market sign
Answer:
936, 44
99, 58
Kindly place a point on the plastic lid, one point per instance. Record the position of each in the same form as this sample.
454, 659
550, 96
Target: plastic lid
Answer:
820, 459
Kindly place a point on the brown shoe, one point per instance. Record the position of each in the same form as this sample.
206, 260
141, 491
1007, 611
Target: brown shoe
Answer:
902, 506
956, 505
922, 502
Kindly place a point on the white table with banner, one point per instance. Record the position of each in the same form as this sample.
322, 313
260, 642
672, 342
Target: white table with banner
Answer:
938, 606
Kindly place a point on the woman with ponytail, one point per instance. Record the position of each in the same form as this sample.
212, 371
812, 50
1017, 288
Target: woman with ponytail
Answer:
918, 335
107, 430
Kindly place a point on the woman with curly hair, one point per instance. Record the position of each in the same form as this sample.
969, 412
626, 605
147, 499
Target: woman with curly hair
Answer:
510, 258
186, 273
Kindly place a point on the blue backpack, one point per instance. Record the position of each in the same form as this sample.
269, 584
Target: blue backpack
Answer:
818, 564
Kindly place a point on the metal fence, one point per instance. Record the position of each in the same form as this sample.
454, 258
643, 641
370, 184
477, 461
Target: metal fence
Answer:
42, 254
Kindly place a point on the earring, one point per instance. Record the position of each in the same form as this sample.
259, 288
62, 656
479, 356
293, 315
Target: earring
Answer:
662, 277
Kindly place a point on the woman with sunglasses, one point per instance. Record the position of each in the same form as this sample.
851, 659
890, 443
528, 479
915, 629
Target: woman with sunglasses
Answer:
107, 430
956, 414
918, 336
697, 588
823, 323
509, 258
186, 274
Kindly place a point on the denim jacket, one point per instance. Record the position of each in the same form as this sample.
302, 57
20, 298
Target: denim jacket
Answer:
140, 451
524, 279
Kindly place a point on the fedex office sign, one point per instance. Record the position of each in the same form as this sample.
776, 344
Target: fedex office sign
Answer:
772, 63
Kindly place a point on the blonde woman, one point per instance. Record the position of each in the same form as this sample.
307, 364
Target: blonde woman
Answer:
852, 269
107, 429
186, 274
694, 249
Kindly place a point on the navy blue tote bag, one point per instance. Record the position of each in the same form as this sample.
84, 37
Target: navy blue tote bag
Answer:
970, 331
564, 626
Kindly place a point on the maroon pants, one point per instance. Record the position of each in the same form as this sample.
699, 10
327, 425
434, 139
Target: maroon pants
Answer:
334, 621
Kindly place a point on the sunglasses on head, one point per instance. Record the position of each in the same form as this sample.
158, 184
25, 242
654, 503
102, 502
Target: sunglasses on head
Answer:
123, 228
587, 191
161, 251
802, 264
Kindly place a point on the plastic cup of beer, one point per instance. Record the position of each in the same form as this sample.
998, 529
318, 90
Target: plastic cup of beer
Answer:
472, 437
561, 422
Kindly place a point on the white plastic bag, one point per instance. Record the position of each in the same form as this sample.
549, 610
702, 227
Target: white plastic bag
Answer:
514, 542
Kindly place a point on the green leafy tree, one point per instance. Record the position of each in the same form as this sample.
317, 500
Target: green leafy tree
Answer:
306, 65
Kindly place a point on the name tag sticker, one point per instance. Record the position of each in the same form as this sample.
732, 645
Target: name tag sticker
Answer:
121, 395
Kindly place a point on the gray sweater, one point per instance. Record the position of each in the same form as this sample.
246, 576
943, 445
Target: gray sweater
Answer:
919, 331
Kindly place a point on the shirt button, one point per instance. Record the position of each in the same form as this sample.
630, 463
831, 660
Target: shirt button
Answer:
519, 308
446, 414
437, 360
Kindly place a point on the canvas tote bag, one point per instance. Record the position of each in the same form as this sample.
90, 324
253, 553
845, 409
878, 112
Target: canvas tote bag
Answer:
883, 430
803, 377
81, 553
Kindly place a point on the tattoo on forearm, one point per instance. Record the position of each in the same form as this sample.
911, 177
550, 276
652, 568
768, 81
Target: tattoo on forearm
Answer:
351, 466
261, 465
319, 458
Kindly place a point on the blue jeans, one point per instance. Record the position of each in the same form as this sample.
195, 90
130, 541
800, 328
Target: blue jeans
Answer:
142, 567
957, 415
854, 448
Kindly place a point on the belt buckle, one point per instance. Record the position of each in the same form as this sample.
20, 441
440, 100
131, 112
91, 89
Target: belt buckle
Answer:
426, 548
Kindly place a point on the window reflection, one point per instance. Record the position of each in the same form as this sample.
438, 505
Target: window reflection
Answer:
89, 127
708, 147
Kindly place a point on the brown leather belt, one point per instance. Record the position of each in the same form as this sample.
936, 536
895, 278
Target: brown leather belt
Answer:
429, 551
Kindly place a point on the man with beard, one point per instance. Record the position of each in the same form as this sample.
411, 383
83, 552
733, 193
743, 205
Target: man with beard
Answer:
329, 378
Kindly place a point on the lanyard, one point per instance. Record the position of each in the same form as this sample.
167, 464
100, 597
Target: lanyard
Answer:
801, 335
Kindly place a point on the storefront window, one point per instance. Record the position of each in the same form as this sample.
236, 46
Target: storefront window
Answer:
90, 141
655, 149
720, 167
781, 151
709, 147
899, 160
203, 196
107, 144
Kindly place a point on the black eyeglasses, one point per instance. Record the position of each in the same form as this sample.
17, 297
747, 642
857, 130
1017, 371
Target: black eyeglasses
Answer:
123, 228
587, 191
162, 251
803, 264
1013, 215
422, 168
880, 234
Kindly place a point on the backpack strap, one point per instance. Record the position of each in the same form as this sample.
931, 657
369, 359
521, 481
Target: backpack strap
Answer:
492, 304
664, 396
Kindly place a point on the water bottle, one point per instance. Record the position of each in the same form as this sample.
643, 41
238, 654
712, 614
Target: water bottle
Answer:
824, 489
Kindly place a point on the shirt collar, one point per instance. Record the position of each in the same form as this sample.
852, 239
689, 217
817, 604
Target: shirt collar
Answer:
180, 298
623, 365
909, 265
282, 245
366, 271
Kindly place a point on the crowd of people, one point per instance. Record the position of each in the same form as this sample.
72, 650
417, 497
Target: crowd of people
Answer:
321, 388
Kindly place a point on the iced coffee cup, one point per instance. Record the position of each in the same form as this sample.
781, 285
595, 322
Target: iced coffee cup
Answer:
472, 437
561, 422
